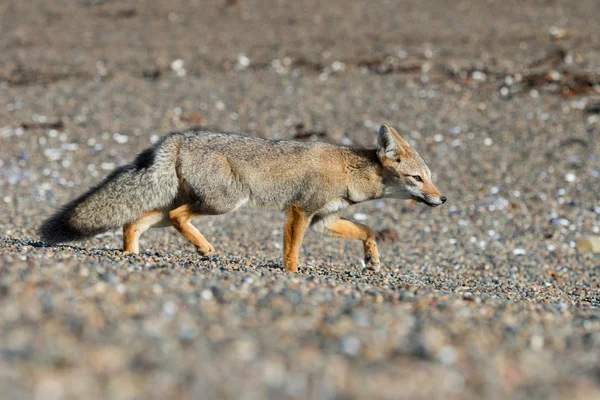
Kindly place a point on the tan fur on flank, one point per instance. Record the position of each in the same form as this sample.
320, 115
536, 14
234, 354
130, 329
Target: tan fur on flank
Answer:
195, 173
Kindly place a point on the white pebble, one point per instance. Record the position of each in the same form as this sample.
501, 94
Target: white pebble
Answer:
447, 355
206, 294
519, 252
570, 177
478, 75
120, 138
170, 308
561, 221
338, 66
107, 166
361, 217
177, 64
537, 342
243, 61
351, 345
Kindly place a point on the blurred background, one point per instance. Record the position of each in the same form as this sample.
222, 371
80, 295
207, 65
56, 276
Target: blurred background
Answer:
485, 297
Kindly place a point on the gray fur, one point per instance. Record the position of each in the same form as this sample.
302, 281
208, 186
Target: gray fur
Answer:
224, 171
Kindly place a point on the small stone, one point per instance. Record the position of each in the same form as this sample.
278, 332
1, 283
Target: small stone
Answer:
207, 294
557, 33
553, 76
243, 61
519, 252
589, 244
187, 333
570, 177
177, 64
351, 345
560, 221
447, 355
121, 139
361, 217
537, 342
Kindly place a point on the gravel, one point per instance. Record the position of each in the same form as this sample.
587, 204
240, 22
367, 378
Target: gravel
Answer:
484, 297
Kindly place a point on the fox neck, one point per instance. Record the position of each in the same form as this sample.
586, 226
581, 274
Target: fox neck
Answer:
365, 176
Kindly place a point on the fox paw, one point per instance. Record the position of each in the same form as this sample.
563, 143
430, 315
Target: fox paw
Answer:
372, 263
207, 250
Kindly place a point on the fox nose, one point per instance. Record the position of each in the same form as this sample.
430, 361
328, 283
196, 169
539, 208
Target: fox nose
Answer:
443, 199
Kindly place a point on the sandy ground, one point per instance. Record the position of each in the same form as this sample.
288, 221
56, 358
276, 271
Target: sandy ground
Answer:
485, 297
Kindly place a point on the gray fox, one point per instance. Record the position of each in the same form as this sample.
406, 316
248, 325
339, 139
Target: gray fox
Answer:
195, 173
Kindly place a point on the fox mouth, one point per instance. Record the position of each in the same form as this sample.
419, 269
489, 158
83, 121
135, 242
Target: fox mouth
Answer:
425, 200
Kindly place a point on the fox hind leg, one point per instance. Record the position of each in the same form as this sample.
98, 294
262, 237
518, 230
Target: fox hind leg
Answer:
350, 230
181, 220
133, 231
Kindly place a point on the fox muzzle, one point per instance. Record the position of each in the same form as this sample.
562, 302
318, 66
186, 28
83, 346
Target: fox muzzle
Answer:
431, 202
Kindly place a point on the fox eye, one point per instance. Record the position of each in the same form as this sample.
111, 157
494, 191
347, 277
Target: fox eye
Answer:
417, 178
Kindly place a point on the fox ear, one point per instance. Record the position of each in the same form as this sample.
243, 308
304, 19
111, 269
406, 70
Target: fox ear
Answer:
390, 144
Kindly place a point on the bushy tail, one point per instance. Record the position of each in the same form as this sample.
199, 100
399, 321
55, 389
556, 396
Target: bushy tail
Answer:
123, 197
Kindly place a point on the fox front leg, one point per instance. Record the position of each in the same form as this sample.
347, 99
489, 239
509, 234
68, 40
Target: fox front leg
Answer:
350, 230
295, 228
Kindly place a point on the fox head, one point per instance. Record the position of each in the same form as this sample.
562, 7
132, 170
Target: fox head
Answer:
405, 174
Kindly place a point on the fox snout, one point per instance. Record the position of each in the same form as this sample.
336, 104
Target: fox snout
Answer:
431, 201
431, 196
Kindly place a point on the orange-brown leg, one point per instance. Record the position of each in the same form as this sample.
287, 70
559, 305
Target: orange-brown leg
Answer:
295, 227
181, 220
133, 231
350, 230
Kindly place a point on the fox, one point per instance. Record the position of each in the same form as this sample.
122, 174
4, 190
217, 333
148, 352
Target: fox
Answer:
198, 173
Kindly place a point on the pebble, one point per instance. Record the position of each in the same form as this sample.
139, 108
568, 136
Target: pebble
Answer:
589, 244
570, 177
361, 217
